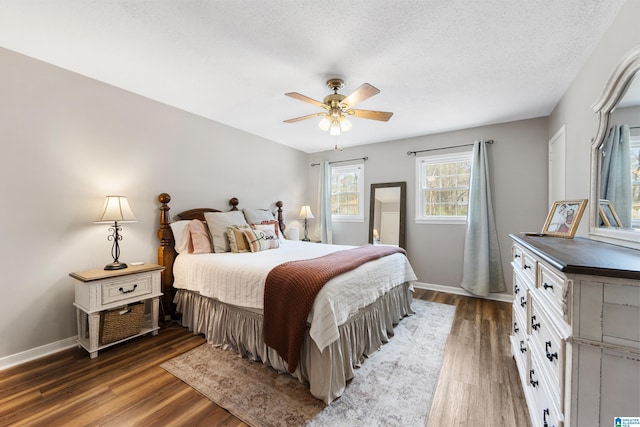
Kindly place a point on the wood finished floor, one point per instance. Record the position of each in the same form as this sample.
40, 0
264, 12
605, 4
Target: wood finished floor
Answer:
125, 385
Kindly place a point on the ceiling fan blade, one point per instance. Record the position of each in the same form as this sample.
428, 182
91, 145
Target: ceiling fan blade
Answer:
308, 116
383, 116
298, 96
357, 96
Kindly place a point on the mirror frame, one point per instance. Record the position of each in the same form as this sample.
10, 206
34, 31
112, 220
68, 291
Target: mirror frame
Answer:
403, 209
614, 90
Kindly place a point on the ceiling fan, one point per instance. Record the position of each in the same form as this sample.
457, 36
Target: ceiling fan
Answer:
339, 106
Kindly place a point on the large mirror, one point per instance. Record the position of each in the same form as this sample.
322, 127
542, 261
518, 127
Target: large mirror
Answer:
615, 157
387, 214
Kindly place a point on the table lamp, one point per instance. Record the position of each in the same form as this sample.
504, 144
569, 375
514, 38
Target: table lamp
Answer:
116, 209
305, 213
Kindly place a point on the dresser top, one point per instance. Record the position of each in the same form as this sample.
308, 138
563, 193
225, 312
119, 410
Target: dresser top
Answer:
101, 273
584, 256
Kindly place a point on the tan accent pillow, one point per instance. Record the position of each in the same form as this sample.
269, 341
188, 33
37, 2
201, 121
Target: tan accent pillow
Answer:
218, 222
237, 241
261, 240
200, 237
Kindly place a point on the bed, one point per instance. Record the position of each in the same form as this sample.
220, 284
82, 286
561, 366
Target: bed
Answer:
222, 295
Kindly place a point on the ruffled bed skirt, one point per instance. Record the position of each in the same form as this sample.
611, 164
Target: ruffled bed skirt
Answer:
327, 372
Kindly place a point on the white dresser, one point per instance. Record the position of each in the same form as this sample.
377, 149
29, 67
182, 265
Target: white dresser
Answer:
576, 330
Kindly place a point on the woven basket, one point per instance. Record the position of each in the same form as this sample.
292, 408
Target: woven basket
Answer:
121, 323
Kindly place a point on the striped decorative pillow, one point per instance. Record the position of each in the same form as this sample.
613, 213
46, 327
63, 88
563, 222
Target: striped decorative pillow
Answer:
237, 242
261, 240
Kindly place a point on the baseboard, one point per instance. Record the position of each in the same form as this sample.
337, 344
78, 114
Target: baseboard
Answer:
460, 291
36, 353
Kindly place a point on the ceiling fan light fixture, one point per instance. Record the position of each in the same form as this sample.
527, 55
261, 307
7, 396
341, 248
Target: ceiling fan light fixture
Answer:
334, 129
338, 107
325, 123
345, 124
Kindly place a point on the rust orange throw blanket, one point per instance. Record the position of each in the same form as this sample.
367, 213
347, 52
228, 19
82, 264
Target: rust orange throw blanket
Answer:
291, 288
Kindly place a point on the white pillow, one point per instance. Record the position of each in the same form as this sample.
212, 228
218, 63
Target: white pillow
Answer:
181, 235
256, 216
218, 222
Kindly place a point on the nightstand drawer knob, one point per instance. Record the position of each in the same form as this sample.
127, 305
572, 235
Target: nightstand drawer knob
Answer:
129, 291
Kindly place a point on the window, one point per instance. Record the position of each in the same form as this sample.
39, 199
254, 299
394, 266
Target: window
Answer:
443, 188
347, 193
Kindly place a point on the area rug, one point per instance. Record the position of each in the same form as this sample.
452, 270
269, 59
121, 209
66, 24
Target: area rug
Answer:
394, 387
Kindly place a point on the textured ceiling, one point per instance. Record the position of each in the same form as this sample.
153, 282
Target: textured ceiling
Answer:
440, 65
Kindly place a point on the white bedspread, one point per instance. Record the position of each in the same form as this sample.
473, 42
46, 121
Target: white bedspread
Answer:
239, 279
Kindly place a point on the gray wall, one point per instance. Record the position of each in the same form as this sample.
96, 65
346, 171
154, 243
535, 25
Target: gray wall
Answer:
574, 109
68, 141
519, 184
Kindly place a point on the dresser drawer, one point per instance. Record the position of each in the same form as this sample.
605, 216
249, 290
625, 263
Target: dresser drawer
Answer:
548, 345
546, 410
516, 257
529, 268
553, 287
126, 288
519, 343
520, 295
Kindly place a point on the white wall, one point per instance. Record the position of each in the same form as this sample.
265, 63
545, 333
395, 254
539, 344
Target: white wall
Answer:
574, 109
519, 185
68, 141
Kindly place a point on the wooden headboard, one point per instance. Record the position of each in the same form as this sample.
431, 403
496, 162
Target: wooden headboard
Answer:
166, 251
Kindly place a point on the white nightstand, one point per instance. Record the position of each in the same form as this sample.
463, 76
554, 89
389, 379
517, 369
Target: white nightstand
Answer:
98, 291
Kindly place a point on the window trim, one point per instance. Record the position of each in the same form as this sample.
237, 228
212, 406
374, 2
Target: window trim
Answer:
634, 141
437, 158
361, 195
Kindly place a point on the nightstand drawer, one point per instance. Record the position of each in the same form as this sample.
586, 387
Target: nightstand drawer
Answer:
125, 289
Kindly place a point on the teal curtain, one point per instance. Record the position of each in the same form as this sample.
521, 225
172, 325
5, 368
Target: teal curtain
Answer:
482, 266
615, 172
325, 203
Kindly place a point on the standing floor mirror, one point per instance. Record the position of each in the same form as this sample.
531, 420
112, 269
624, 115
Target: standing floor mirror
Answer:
387, 213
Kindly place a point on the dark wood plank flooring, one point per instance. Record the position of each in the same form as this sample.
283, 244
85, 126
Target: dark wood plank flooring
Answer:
125, 385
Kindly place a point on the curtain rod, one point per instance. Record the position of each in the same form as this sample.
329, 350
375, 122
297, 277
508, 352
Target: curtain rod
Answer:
365, 158
491, 141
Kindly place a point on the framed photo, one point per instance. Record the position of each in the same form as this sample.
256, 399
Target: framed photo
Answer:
564, 217
608, 214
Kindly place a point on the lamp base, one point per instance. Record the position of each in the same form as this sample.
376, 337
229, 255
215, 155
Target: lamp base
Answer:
115, 266
306, 239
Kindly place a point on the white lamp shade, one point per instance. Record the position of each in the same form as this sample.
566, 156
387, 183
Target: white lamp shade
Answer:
325, 123
305, 212
116, 209
334, 129
345, 124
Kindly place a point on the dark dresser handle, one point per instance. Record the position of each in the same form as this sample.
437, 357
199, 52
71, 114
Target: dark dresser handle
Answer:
547, 286
129, 291
550, 356
533, 382
535, 325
